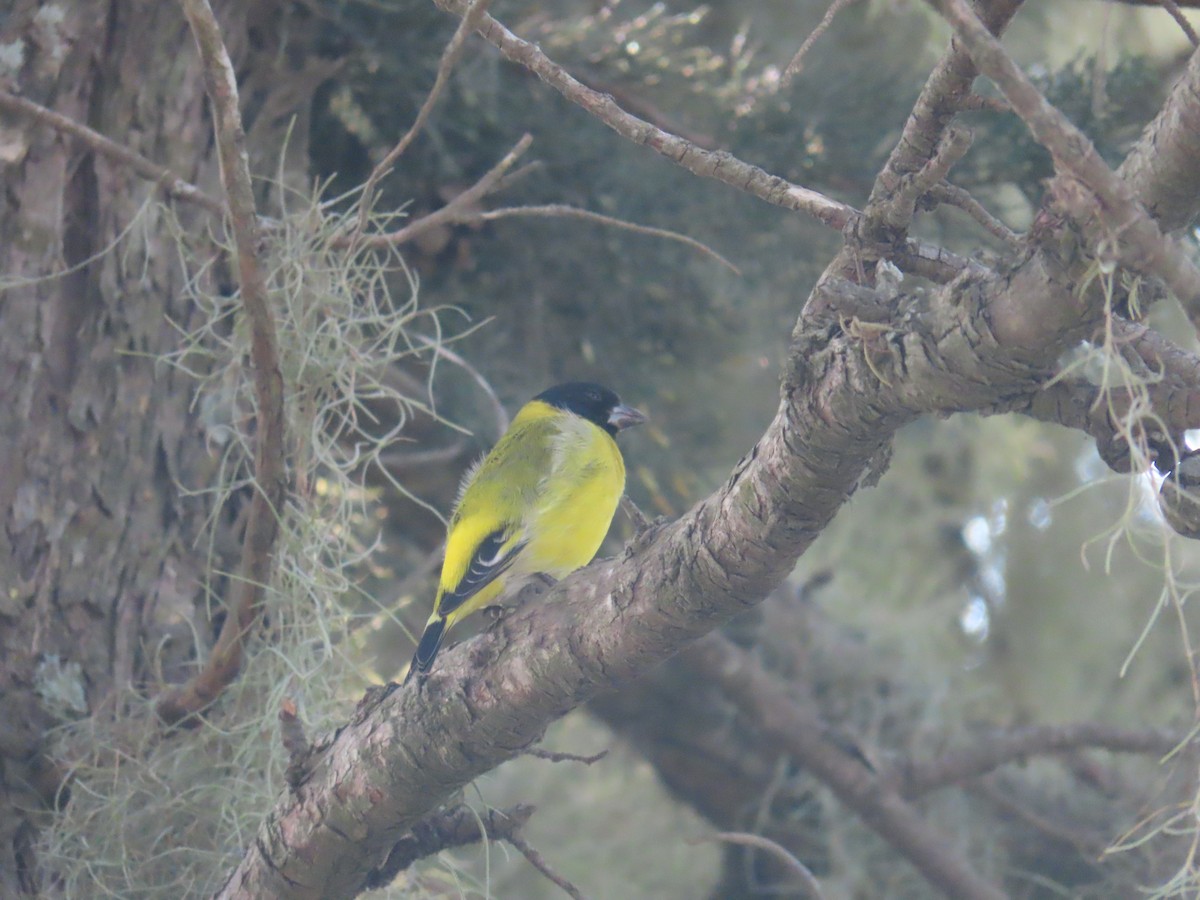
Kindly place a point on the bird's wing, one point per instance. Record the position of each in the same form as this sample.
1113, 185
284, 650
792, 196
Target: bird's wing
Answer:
492, 557
490, 524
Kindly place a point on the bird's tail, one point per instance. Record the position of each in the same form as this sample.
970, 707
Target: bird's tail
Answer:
427, 648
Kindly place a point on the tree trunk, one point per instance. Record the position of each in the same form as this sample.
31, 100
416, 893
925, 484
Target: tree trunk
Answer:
102, 570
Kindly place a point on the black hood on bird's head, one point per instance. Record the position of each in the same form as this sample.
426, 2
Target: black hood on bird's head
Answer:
593, 402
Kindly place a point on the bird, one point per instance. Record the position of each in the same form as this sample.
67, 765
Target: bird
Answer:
540, 502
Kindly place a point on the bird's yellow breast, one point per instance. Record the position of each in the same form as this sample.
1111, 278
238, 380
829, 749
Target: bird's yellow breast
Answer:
578, 499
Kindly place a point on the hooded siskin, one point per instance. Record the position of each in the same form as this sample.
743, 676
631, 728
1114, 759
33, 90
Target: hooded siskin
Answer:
541, 501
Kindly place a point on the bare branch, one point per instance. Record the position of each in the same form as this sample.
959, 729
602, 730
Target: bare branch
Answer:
168, 181
797, 63
561, 210
809, 886
450, 57
1144, 248
919, 776
912, 256
896, 211
1181, 20
1161, 168
262, 524
952, 195
460, 209
446, 830
881, 808
946, 92
706, 163
555, 756
538, 862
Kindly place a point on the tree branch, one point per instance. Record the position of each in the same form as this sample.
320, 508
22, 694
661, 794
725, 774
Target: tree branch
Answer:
460, 209
920, 776
913, 256
969, 345
1143, 247
539, 862
941, 99
164, 178
457, 827
449, 59
1161, 168
617, 618
262, 525
880, 807
809, 887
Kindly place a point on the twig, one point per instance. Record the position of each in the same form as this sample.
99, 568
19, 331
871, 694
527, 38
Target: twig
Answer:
915, 257
978, 103
1089, 849
455, 827
262, 525
797, 63
1143, 245
639, 519
295, 742
498, 411
396, 457
801, 734
809, 886
706, 163
536, 860
457, 210
1177, 14
449, 59
561, 210
952, 195
896, 212
168, 181
954, 766
555, 756
933, 112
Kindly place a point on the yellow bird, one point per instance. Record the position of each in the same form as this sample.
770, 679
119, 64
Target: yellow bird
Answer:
541, 501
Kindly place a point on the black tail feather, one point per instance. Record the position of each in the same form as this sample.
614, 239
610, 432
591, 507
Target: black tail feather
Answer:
427, 649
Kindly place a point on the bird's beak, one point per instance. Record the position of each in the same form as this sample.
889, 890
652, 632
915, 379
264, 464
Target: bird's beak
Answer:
624, 416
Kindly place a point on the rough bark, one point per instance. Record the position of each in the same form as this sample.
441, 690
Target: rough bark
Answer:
101, 573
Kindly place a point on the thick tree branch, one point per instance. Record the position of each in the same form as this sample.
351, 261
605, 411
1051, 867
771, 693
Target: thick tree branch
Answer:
618, 618
262, 524
1143, 246
1161, 168
976, 343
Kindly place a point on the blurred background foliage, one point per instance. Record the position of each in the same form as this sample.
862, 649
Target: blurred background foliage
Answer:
974, 586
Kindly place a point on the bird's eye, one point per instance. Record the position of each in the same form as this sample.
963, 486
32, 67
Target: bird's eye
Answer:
593, 395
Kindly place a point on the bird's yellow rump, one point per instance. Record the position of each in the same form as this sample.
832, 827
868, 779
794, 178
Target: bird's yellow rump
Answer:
541, 501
